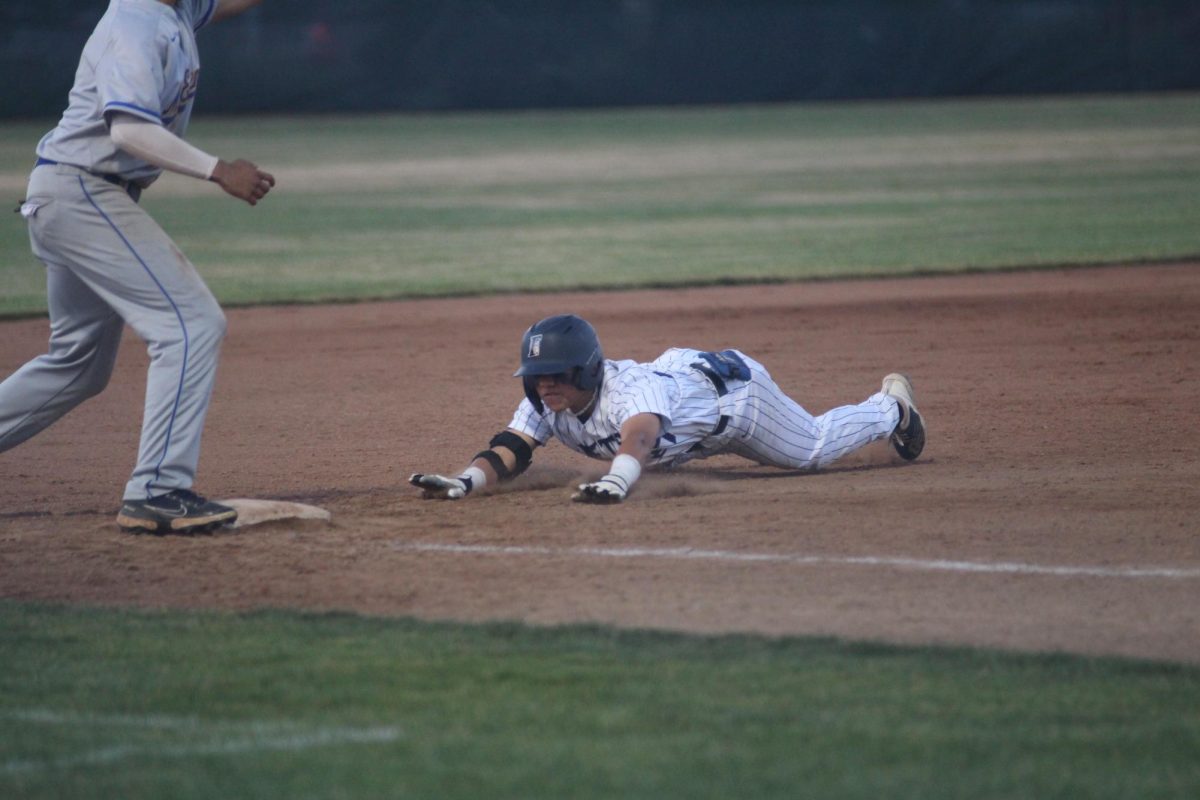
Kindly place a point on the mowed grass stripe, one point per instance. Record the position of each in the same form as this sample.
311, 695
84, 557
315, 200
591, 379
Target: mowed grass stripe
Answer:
387, 206
192, 737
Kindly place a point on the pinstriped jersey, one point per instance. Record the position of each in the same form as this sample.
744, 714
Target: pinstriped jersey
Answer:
142, 60
684, 400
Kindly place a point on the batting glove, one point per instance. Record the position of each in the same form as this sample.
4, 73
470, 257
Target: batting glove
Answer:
439, 487
613, 487
609, 489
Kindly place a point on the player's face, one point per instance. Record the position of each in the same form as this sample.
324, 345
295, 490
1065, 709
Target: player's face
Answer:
559, 394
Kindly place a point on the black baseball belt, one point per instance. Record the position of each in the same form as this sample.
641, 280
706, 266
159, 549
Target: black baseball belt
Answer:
129, 187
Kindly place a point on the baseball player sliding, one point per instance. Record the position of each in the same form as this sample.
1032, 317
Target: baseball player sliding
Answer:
108, 263
685, 404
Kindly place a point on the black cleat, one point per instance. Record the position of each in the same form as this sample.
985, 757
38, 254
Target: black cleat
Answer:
180, 511
909, 436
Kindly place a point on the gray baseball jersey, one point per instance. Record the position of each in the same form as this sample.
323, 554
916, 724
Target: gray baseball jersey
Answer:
107, 262
703, 415
140, 60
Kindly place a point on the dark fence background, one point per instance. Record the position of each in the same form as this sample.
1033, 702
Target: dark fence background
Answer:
360, 55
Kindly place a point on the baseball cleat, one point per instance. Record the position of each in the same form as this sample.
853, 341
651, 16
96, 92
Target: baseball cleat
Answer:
909, 436
180, 511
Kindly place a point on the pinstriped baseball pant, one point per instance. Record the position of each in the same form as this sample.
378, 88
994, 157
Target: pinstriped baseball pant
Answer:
767, 426
108, 263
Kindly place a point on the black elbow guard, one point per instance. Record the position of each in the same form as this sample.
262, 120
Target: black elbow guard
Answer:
518, 447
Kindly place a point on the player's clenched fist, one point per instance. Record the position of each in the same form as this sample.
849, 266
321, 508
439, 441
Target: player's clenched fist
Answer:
439, 487
243, 179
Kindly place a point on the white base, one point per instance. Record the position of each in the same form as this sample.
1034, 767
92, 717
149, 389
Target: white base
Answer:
254, 512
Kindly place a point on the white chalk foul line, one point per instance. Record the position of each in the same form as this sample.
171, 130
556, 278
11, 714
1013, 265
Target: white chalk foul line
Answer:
220, 737
691, 554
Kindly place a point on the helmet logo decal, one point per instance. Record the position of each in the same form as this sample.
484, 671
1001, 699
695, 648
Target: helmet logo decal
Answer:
535, 345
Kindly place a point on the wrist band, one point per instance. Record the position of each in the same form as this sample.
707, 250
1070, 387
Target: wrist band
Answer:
474, 477
627, 468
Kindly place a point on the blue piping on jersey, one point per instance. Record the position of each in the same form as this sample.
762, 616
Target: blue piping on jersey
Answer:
182, 325
157, 116
206, 16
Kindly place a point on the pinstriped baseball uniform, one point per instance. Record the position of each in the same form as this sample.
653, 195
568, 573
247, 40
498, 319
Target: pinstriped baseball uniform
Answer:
703, 415
107, 262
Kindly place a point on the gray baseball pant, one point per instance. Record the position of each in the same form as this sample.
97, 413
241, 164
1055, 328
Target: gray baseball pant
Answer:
108, 263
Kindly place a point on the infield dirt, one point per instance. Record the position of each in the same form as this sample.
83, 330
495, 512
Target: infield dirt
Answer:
1064, 432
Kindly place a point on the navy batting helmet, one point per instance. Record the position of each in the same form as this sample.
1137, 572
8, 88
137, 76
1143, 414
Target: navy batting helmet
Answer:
564, 344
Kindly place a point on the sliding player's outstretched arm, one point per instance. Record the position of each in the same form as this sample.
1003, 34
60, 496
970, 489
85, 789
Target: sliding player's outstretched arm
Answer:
509, 453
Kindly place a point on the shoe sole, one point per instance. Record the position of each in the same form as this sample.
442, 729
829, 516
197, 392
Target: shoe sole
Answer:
184, 527
911, 449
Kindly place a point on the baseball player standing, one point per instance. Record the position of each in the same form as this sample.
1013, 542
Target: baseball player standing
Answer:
686, 404
108, 263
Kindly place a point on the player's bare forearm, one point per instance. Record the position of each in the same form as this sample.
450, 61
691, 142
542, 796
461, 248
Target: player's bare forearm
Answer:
231, 8
639, 434
509, 462
243, 179
488, 470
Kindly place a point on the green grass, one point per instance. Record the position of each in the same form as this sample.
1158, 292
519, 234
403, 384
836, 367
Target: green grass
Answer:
141, 704
401, 206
